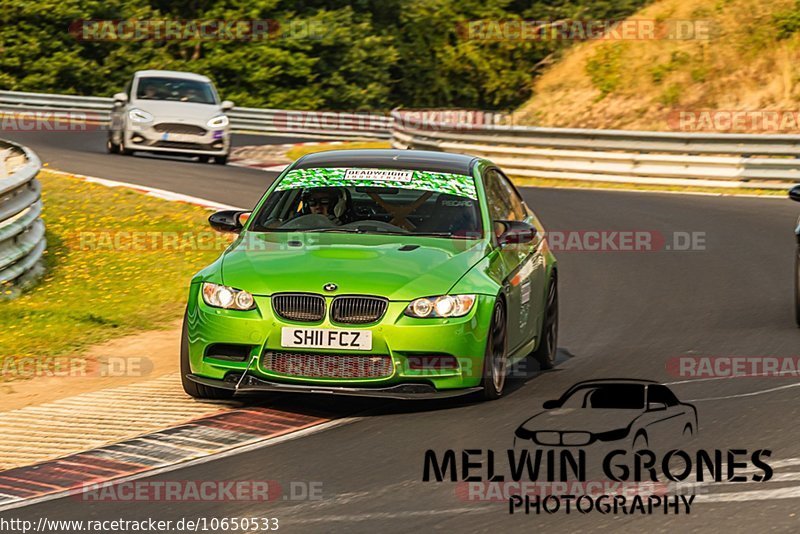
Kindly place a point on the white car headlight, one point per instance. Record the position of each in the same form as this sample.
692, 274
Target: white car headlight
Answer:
218, 122
443, 306
139, 115
218, 296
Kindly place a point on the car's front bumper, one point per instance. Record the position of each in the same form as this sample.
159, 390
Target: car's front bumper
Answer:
251, 384
145, 137
403, 339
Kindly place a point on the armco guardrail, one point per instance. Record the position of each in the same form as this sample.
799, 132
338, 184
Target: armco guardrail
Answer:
22, 238
330, 124
667, 158
663, 158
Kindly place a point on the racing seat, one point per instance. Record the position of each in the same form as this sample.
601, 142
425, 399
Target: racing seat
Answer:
452, 214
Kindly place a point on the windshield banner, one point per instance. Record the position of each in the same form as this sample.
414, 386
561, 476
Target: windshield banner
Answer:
454, 184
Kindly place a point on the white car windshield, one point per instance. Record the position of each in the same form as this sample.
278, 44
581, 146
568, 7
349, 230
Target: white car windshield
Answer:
175, 89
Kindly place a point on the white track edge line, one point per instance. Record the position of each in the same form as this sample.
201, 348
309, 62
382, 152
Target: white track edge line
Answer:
158, 193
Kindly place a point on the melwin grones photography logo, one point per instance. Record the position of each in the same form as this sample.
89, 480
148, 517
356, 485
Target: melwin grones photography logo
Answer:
609, 446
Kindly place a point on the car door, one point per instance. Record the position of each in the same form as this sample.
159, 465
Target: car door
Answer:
519, 261
533, 269
667, 417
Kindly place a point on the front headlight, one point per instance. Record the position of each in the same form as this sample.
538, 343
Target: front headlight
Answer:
443, 306
139, 115
218, 296
218, 122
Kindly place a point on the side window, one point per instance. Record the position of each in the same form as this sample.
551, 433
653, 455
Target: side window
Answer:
499, 203
661, 394
517, 206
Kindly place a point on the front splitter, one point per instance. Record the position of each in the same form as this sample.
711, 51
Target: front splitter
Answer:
252, 384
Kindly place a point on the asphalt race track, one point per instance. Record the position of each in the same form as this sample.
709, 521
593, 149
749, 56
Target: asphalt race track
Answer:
623, 314
82, 152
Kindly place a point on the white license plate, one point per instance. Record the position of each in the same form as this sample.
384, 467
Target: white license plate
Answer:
179, 138
325, 338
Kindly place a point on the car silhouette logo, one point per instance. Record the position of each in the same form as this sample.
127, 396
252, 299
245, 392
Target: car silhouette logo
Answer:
639, 412
330, 287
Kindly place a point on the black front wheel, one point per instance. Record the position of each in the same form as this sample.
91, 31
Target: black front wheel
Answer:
797, 286
495, 360
545, 353
111, 146
221, 160
124, 151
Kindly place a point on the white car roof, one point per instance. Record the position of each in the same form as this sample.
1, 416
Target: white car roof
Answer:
172, 74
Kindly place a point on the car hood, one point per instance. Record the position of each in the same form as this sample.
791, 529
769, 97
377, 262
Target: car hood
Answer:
172, 110
396, 268
581, 420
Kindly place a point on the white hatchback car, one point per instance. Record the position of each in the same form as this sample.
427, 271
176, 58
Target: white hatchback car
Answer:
172, 112
794, 194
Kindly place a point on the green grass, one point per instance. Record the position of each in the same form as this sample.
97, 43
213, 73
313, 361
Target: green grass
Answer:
101, 284
301, 150
605, 68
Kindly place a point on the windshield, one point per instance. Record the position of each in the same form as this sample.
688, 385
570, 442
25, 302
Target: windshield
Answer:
607, 396
373, 201
175, 89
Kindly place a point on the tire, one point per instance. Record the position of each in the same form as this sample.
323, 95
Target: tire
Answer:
124, 151
797, 286
111, 146
193, 389
495, 363
202, 159
221, 160
545, 353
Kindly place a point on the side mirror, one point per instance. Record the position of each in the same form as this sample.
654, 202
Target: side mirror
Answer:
551, 405
656, 406
516, 232
794, 193
120, 98
229, 220
226, 105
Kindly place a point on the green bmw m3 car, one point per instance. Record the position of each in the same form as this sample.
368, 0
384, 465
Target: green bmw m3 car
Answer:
393, 273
